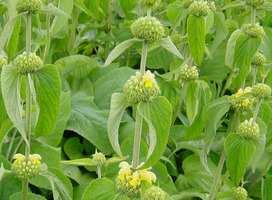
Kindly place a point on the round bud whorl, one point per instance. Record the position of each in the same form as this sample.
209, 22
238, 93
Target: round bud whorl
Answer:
31, 6
3, 61
187, 3
187, 73
244, 104
154, 193
177, 39
249, 129
148, 28
28, 64
139, 89
255, 3
261, 91
99, 158
253, 30
199, 8
258, 59
150, 3
239, 193
124, 187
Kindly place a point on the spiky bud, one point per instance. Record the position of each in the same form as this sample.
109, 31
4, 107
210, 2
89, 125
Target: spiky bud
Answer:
261, 91
258, 59
28, 64
177, 39
125, 188
154, 193
199, 8
99, 158
139, 89
31, 6
26, 169
239, 193
187, 3
3, 61
249, 129
255, 3
253, 30
150, 3
212, 6
244, 104
187, 73
148, 28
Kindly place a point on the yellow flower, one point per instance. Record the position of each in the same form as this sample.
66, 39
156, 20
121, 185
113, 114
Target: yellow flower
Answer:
148, 78
35, 158
125, 170
18, 157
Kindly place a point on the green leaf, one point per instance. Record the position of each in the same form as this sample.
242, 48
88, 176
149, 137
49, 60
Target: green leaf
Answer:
3, 114
196, 36
114, 160
14, 39
89, 122
80, 4
5, 127
9, 185
169, 46
79, 162
6, 33
30, 196
239, 153
267, 43
48, 90
73, 148
267, 188
59, 21
100, 189
192, 100
117, 109
61, 185
10, 84
158, 115
231, 46
127, 6
3, 172
260, 145
53, 10
209, 21
212, 114
63, 117
176, 13
119, 49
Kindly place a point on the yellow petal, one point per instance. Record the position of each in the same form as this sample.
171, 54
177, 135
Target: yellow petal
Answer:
19, 156
148, 84
133, 182
123, 164
245, 102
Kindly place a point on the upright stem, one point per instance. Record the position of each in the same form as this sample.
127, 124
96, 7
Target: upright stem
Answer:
47, 46
233, 124
254, 75
148, 12
253, 15
143, 58
11, 143
24, 191
99, 171
137, 139
109, 29
28, 34
256, 110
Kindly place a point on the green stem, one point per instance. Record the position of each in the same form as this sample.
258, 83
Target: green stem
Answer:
73, 31
137, 139
28, 34
256, 110
253, 15
128, 56
16, 148
233, 124
254, 75
109, 29
181, 97
11, 143
227, 84
143, 58
99, 171
24, 191
47, 46
148, 12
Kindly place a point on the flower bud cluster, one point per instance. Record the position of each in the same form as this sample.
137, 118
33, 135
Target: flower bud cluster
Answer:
199, 8
139, 89
129, 180
26, 169
154, 193
28, 64
177, 39
239, 193
99, 158
148, 28
31, 6
253, 30
187, 73
249, 129
258, 59
243, 104
150, 3
187, 3
261, 91
255, 3
3, 61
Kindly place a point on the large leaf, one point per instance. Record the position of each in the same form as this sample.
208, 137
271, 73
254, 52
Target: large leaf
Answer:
89, 122
9, 185
53, 10
48, 90
176, 13
5, 127
157, 114
267, 188
100, 189
119, 49
80, 162
10, 84
118, 106
169, 46
196, 36
212, 114
30, 196
3, 114
239, 153
14, 39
